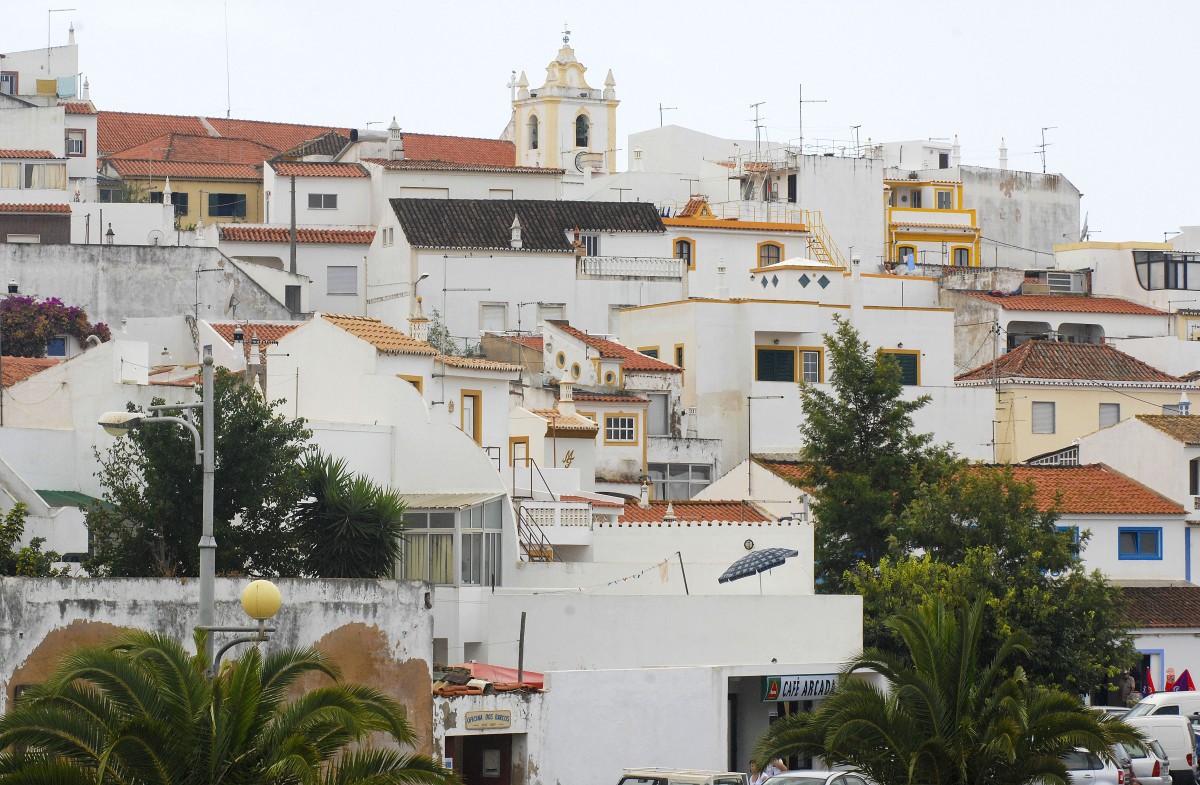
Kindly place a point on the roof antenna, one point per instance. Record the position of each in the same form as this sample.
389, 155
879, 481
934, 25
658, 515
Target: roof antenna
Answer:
228, 101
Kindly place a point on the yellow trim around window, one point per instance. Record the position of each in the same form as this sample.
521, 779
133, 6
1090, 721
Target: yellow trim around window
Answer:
477, 411
916, 352
773, 348
575, 370
971, 261
758, 249
513, 441
820, 350
415, 381
636, 428
937, 192
610, 378
679, 358
560, 359
644, 349
691, 256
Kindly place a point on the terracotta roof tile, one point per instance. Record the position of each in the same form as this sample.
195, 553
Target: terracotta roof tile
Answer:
311, 169
192, 148
634, 360
265, 332
116, 131
1093, 489
55, 207
477, 363
461, 149
559, 422
185, 170
1162, 606
733, 223
795, 472
1068, 361
1182, 428
528, 341
459, 166
383, 337
1064, 302
78, 107
591, 397
545, 224
240, 233
27, 154
330, 143
18, 369
696, 510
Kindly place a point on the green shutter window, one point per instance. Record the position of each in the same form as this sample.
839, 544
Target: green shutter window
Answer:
776, 365
908, 367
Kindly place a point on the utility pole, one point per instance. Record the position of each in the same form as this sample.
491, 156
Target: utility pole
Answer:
757, 131
1045, 144
662, 109
802, 102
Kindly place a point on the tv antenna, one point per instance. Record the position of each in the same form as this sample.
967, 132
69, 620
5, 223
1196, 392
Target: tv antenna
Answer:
662, 109
802, 102
757, 130
1045, 144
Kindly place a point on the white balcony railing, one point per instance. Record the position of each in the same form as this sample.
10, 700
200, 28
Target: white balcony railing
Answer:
629, 267
559, 514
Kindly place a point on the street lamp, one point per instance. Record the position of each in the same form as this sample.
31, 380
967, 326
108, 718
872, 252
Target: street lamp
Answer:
261, 600
119, 423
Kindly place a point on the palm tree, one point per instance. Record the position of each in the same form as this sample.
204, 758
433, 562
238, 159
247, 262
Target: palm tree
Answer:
350, 526
945, 718
140, 711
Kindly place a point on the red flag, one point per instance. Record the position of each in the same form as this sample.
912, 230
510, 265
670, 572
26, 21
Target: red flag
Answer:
1184, 682
1149, 684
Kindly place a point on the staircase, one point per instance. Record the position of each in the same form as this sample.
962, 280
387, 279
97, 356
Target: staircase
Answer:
821, 244
534, 544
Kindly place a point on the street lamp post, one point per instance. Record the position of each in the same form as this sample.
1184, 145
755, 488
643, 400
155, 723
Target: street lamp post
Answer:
118, 423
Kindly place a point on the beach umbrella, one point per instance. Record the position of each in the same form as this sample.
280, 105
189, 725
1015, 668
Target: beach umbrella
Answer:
757, 562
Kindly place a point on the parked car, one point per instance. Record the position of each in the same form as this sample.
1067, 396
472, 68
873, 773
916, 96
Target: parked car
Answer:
1174, 733
1149, 767
658, 775
818, 777
1088, 768
1112, 711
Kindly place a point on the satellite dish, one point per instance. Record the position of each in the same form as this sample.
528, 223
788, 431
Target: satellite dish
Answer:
155, 237
231, 307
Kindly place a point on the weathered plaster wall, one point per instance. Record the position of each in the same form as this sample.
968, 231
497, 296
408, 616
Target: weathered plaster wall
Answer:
379, 632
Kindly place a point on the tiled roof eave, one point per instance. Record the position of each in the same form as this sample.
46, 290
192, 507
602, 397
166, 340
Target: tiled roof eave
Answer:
1030, 380
565, 252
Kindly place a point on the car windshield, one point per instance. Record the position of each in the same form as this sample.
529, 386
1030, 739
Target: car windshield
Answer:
1158, 750
643, 781
1140, 710
783, 779
1134, 750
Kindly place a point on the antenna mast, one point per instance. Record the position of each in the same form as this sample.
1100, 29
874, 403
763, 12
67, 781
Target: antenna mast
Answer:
802, 102
757, 131
1045, 144
662, 109
228, 100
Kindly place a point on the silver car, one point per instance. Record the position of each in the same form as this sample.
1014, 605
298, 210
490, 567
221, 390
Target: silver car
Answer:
1088, 768
818, 777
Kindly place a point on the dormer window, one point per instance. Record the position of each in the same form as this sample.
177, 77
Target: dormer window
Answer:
533, 132
582, 126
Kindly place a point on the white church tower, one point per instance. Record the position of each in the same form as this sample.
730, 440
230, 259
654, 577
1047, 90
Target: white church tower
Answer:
565, 123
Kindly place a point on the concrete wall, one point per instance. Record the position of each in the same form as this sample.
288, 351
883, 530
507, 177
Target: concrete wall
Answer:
1024, 209
118, 281
133, 223
1145, 454
353, 200
378, 632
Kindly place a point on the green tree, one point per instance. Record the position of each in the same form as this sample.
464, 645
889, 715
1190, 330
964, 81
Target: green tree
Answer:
349, 525
867, 461
29, 560
151, 521
140, 711
985, 538
27, 324
950, 713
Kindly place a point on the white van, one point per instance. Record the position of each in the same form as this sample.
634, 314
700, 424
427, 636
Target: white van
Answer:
1174, 733
1184, 703
657, 775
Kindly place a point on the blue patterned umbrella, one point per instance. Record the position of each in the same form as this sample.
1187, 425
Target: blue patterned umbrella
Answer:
756, 562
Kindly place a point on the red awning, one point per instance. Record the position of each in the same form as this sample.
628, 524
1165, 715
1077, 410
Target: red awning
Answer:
498, 673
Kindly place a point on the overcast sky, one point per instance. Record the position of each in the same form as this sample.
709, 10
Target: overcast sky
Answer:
1116, 80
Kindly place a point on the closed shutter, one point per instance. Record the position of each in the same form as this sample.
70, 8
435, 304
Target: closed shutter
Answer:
341, 280
776, 365
909, 367
657, 414
1043, 417
492, 317
1110, 414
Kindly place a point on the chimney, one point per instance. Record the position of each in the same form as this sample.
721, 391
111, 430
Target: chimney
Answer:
955, 153
1003, 155
395, 141
1185, 406
87, 90
669, 515
71, 35
566, 396
167, 192
644, 497
855, 292
515, 241
418, 325
722, 289
638, 165
610, 87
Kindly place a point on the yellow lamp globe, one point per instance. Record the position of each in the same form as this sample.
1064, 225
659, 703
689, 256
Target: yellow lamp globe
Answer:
261, 600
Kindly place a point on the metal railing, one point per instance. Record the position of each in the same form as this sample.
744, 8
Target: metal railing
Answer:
560, 514
533, 468
628, 267
535, 546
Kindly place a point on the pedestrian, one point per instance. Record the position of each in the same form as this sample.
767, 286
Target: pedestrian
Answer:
1125, 687
758, 777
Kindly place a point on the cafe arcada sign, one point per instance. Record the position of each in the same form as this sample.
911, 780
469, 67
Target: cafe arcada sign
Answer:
797, 688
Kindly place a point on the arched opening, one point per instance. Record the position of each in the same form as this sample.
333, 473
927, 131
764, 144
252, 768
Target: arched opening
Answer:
533, 132
582, 127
